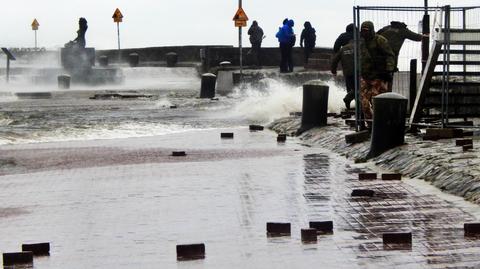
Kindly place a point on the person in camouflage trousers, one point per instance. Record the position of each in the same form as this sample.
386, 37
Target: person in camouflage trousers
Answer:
377, 66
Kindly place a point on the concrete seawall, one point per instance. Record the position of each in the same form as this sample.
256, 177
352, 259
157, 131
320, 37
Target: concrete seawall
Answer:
440, 162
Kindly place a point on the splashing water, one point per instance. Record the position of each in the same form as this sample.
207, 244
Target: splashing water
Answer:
272, 99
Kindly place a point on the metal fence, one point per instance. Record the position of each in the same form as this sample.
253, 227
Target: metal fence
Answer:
435, 21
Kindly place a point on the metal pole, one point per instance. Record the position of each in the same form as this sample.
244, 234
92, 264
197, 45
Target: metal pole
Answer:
240, 42
464, 13
118, 37
35, 40
357, 68
8, 69
447, 81
425, 40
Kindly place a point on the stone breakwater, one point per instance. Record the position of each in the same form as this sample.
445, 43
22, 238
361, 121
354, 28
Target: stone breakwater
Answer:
439, 162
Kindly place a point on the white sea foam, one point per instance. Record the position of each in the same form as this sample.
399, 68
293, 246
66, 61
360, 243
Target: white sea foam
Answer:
272, 99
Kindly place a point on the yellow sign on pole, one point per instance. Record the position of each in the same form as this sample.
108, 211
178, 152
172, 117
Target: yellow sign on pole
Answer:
240, 18
117, 16
35, 25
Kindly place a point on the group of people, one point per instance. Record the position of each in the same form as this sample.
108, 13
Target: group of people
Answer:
378, 55
287, 39
378, 60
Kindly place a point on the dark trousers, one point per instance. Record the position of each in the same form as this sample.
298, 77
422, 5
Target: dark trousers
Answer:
286, 62
350, 84
307, 51
256, 53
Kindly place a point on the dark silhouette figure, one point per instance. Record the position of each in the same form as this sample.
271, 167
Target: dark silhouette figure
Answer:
345, 56
256, 38
308, 37
344, 38
79, 42
287, 40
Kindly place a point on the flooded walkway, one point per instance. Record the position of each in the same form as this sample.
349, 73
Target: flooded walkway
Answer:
112, 207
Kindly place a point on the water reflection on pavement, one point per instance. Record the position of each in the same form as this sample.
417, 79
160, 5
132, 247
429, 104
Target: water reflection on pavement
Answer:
132, 215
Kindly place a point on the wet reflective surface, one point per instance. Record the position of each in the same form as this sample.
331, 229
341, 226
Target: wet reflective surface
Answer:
127, 204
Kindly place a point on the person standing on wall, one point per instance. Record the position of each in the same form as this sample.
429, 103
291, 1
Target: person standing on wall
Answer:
396, 33
346, 56
308, 37
377, 66
287, 39
256, 37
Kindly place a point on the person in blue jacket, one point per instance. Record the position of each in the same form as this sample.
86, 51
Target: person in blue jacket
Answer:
286, 38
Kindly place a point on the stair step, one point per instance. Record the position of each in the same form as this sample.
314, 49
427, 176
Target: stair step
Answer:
459, 73
456, 83
461, 51
461, 30
460, 63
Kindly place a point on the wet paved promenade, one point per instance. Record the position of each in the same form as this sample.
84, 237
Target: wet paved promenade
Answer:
100, 212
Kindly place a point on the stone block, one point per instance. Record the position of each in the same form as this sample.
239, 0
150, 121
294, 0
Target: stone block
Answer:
363, 193
277, 228
367, 176
357, 137
397, 238
322, 226
191, 252
13, 258
392, 176
309, 235
37, 249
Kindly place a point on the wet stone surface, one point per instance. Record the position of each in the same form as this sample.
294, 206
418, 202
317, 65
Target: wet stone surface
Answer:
133, 215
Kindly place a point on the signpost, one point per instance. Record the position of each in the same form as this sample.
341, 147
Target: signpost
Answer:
9, 57
35, 25
240, 19
118, 18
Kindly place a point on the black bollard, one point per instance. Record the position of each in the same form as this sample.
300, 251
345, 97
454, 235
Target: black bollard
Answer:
172, 59
315, 105
225, 64
24, 257
133, 59
208, 85
103, 60
63, 82
389, 113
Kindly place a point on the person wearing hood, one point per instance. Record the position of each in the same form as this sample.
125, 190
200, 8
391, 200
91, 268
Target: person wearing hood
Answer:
346, 56
256, 38
286, 38
344, 38
396, 33
308, 37
377, 66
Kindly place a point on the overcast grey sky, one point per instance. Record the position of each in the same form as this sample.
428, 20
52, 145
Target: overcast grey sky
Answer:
174, 22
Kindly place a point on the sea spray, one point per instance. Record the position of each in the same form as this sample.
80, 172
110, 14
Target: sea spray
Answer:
271, 99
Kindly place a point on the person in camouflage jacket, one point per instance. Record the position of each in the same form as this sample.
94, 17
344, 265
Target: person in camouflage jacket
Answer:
377, 66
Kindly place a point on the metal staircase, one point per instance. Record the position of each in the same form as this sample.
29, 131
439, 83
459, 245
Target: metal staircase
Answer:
450, 83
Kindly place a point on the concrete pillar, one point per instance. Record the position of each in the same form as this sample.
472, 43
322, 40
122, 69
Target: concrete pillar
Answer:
133, 59
389, 113
208, 85
172, 59
103, 60
315, 104
63, 82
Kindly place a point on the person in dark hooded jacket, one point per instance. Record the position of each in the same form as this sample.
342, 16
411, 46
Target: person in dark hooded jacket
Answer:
256, 38
286, 38
308, 37
377, 66
344, 38
396, 33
